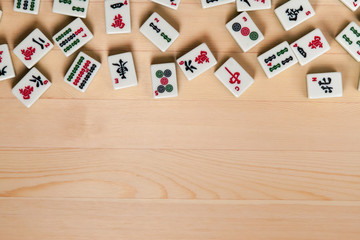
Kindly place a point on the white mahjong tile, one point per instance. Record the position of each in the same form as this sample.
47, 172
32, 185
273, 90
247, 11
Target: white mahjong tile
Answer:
214, 3
27, 6
174, 4
310, 46
30, 88
0, 14
252, 5
244, 31
234, 77
352, 4
324, 85
82, 72
122, 70
34, 47
294, 12
75, 8
197, 61
117, 16
349, 39
159, 32
164, 80
6, 66
72, 37
277, 59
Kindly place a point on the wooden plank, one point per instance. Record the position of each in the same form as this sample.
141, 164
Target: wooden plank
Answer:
186, 125
179, 174
24, 219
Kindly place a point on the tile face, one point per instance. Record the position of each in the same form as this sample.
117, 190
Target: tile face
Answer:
164, 80
0, 14
310, 47
35, 46
27, 6
349, 39
294, 12
352, 4
251, 5
197, 61
324, 85
75, 8
30, 88
244, 31
277, 59
73, 37
234, 77
6, 66
82, 72
174, 4
117, 16
122, 70
159, 32
214, 3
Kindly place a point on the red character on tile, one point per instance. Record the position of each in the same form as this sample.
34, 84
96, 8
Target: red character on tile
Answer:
316, 43
28, 52
234, 79
118, 22
26, 92
202, 58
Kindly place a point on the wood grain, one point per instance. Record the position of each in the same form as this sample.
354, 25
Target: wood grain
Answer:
271, 165
179, 174
246, 125
170, 220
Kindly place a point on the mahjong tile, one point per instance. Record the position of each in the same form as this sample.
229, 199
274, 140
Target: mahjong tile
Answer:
72, 37
6, 66
27, 6
234, 77
310, 46
30, 88
277, 59
0, 14
324, 85
117, 16
75, 8
159, 32
214, 3
34, 47
174, 4
82, 72
252, 5
164, 80
352, 4
122, 70
294, 12
349, 38
197, 61
244, 31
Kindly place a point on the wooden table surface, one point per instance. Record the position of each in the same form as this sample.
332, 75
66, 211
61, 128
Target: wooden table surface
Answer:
108, 164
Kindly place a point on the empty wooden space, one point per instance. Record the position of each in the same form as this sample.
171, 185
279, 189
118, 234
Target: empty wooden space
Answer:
105, 164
